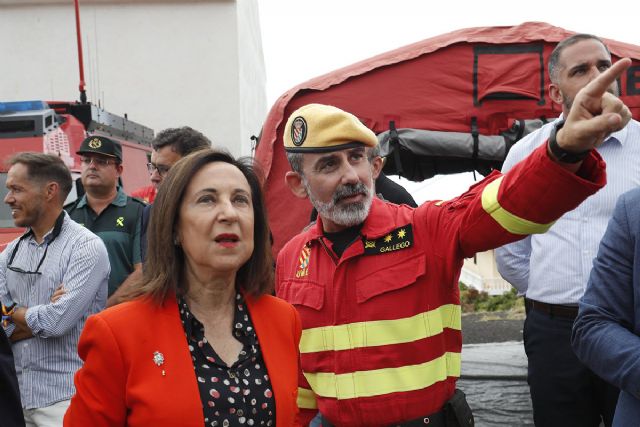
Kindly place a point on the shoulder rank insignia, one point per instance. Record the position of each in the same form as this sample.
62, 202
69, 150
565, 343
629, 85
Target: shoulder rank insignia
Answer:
395, 240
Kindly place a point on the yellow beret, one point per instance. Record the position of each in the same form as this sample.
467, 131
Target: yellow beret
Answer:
317, 128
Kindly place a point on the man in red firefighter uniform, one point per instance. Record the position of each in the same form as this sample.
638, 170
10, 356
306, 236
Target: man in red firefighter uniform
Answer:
376, 284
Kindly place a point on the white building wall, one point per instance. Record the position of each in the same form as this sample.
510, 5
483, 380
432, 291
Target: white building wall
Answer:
164, 63
252, 71
482, 273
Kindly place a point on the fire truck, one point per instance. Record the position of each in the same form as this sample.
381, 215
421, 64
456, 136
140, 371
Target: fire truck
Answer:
58, 128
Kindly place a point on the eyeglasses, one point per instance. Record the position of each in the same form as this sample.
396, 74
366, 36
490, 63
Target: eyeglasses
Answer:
162, 170
57, 228
98, 161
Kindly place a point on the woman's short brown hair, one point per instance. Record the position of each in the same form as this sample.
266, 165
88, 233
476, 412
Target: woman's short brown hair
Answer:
164, 267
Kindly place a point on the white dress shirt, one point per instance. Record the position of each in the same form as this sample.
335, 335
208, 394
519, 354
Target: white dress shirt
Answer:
554, 267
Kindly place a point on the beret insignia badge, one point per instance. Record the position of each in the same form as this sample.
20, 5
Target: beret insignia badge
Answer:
298, 131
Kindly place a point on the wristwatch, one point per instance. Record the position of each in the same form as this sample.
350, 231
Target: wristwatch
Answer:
561, 154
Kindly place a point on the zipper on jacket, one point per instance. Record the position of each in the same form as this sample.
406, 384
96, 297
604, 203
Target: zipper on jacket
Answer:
329, 252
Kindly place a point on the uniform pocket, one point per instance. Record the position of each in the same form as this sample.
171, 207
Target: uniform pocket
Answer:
307, 294
388, 277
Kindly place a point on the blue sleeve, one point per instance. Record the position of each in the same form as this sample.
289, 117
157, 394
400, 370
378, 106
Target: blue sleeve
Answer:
87, 272
603, 336
512, 261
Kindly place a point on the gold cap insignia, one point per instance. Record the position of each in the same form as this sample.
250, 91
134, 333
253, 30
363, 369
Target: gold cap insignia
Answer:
95, 143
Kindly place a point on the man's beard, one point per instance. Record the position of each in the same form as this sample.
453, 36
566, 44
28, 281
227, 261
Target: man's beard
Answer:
344, 214
568, 102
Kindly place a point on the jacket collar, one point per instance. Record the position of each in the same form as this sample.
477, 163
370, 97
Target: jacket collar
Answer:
120, 199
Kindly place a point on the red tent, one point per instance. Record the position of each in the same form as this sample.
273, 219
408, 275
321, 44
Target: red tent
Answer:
471, 80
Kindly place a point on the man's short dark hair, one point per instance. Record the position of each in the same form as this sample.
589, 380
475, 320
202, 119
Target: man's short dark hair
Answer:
554, 59
183, 140
43, 168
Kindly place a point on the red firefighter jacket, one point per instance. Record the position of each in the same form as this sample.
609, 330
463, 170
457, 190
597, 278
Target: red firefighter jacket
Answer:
381, 338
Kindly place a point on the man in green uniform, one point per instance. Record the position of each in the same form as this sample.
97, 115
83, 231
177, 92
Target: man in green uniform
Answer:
106, 210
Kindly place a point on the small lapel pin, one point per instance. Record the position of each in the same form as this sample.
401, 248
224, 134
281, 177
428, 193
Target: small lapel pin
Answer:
158, 358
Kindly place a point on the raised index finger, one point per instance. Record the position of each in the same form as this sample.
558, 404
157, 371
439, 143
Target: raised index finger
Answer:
598, 86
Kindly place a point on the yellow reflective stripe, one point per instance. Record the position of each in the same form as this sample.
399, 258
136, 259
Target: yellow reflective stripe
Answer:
384, 381
306, 399
510, 222
380, 332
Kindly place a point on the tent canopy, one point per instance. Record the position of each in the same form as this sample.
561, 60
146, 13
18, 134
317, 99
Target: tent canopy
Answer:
481, 82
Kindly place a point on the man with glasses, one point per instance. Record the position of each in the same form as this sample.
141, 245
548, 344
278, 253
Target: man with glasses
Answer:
51, 279
169, 146
106, 210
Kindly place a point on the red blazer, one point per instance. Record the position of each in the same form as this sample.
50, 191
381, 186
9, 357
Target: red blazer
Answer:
120, 385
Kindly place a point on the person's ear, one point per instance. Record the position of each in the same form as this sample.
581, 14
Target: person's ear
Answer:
119, 169
295, 184
555, 94
376, 166
51, 190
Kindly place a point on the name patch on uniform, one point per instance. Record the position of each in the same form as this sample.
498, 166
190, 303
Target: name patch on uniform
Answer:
395, 240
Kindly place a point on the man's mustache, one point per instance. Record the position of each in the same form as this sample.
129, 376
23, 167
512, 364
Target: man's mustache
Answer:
350, 190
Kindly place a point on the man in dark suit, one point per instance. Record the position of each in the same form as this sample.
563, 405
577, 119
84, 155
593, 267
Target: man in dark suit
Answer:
10, 406
606, 333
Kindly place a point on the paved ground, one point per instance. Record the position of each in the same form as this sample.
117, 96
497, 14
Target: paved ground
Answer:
491, 327
494, 369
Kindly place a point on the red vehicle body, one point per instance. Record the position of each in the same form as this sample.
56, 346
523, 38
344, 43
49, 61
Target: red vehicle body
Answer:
58, 128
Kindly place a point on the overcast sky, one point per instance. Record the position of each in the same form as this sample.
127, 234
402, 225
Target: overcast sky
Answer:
304, 39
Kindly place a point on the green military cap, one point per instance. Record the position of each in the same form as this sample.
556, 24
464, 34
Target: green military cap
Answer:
318, 128
101, 145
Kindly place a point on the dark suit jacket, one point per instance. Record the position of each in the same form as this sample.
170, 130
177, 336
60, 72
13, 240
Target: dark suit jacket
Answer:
120, 385
10, 406
606, 334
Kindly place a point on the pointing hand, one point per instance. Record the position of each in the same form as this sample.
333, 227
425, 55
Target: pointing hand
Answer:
595, 113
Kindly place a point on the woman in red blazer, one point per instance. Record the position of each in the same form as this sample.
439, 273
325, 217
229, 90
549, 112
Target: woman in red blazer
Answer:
200, 342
